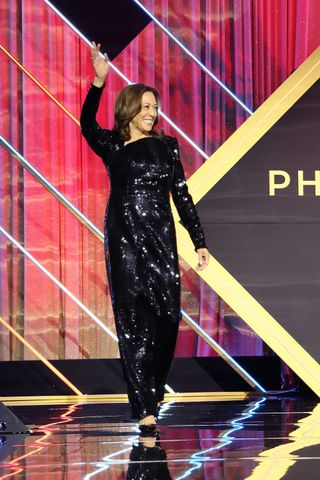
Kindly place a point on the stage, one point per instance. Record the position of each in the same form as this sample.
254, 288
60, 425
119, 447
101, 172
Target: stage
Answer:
222, 438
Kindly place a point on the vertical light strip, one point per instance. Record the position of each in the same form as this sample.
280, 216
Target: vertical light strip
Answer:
194, 58
40, 357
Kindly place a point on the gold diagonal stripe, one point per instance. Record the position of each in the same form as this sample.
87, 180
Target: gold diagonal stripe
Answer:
255, 127
217, 277
42, 87
40, 357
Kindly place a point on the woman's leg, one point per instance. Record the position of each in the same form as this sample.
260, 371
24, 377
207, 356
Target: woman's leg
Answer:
165, 343
135, 329
134, 309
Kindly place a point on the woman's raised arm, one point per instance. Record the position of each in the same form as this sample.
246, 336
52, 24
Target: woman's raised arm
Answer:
98, 138
100, 65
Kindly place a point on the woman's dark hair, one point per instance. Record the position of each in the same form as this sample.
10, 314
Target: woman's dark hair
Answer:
128, 104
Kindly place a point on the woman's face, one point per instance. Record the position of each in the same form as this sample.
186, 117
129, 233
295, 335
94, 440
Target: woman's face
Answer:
144, 120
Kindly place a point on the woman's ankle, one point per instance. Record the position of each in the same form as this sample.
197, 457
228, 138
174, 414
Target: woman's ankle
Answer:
149, 442
149, 420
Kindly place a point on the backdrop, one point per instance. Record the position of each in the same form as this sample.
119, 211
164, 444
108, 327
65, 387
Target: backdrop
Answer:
249, 46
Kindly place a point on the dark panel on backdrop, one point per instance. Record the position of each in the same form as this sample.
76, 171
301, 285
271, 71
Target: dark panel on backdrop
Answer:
113, 23
104, 376
262, 221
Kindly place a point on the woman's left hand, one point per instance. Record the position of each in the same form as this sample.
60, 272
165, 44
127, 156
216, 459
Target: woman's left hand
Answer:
203, 258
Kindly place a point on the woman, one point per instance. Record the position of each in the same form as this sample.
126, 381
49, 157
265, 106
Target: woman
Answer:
140, 240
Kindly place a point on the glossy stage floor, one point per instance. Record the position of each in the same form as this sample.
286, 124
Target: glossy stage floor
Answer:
226, 438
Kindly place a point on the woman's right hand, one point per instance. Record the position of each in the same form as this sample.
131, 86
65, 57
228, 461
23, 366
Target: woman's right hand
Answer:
100, 64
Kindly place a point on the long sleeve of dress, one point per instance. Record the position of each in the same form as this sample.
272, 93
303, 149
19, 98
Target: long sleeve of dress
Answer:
184, 202
99, 139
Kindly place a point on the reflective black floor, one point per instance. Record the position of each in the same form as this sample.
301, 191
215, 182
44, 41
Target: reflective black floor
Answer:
254, 439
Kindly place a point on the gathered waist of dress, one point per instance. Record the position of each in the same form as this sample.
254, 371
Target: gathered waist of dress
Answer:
142, 191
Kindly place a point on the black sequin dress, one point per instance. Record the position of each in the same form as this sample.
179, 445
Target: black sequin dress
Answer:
141, 251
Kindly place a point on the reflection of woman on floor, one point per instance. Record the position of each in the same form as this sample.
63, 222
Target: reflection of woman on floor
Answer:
149, 461
144, 166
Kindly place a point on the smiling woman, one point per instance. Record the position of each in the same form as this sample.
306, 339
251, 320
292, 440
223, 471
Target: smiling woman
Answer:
136, 112
143, 122
142, 263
